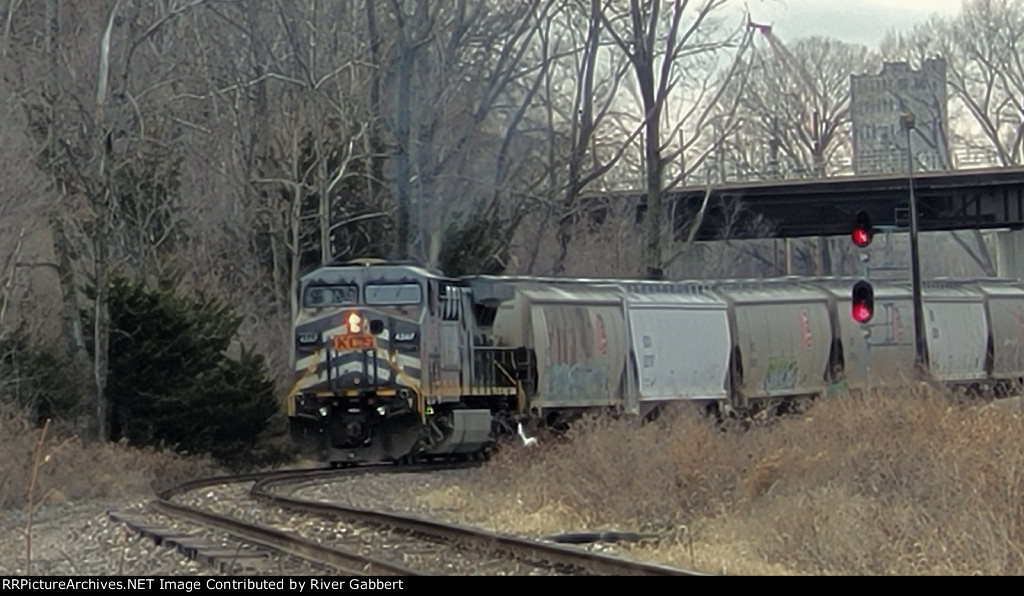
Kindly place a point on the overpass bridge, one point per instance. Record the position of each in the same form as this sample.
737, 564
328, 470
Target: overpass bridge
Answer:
965, 199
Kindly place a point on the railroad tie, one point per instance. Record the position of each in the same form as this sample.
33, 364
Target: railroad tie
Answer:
225, 560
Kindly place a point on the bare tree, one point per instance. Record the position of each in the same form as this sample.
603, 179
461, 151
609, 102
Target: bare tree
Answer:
796, 108
306, 158
982, 48
517, 180
37, 100
90, 121
471, 84
794, 117
415, 29
658, 47
109, 119
591, 106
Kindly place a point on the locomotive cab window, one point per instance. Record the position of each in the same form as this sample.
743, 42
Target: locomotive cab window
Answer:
321, 296
393, 294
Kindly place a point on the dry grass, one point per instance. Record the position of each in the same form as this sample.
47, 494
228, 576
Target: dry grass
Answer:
873, 485
913, 484
71, 470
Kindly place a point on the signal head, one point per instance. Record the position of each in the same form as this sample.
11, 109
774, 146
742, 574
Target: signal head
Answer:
862, 230
862, 306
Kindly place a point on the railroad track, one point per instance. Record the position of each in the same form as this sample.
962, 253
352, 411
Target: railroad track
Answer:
563, 560
357, 541
266, 538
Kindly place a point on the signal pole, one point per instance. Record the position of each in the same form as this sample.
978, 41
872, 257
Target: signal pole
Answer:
920, 349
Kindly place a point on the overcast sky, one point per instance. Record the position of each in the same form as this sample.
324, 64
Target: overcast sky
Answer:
854, 21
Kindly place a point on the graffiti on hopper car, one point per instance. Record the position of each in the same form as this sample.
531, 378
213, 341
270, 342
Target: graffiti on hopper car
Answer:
581, 352
782, 373
805, 329
574, 380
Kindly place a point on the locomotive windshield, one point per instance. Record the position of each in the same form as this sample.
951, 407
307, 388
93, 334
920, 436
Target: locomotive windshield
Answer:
335, 295
393, 294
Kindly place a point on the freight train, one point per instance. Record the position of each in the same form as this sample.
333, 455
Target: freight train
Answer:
395, 362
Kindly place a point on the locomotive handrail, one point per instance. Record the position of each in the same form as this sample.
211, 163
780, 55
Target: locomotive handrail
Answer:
520, 402
295, 386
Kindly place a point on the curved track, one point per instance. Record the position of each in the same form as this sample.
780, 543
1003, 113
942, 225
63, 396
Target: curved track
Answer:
277, 540
531, 553
413, 545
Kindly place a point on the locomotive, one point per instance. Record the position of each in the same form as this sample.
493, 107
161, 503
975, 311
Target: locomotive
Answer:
395, 362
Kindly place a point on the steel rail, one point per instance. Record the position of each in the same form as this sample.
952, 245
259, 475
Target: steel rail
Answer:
574, 560
281, 541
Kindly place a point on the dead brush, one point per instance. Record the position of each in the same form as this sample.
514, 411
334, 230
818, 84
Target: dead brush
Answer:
79, 470
902, 481
48, 466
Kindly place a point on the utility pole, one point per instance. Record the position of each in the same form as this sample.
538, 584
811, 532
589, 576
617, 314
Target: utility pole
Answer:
920, 349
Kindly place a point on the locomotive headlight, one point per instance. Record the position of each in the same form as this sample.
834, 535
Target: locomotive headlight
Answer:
323, 411
354, 323
382, 410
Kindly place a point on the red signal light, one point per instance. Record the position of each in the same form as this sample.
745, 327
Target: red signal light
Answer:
860, 313
862, 230
861, 237
862, 307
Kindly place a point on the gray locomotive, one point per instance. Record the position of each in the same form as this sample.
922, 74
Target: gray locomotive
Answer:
396, 362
